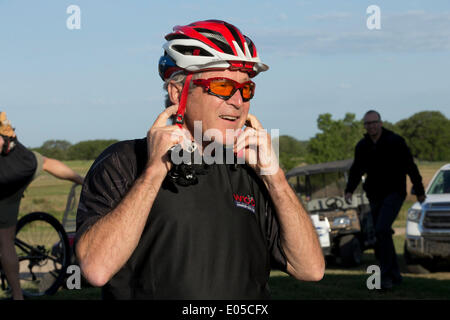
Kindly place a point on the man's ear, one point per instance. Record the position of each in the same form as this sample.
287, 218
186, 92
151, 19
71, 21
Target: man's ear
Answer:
174, 91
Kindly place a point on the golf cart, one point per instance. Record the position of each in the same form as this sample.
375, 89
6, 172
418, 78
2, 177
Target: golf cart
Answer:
345, 230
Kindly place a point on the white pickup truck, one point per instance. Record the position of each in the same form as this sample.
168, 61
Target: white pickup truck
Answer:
428, 226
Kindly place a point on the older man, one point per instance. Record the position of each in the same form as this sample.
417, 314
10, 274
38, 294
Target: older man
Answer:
142, 234
386, 159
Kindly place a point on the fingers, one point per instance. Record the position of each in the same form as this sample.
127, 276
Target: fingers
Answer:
251, 134
253, 122
161, 122
164, 116
255, 146
249, 143
246, 139
249, 137
176, 135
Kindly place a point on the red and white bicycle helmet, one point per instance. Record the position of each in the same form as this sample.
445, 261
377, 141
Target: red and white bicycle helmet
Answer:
203, 46
209, 45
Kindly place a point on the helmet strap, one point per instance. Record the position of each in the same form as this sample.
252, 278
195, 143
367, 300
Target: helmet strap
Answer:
179, 119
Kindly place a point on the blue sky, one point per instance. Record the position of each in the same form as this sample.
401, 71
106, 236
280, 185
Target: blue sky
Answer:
101, 81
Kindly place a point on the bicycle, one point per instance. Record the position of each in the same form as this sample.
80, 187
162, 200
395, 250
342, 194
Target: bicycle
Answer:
44, 254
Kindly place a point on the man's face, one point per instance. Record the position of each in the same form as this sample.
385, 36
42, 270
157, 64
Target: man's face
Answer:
212, 111
372, 124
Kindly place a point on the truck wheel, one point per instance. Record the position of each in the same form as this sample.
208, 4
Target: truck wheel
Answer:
414, 264
350, 250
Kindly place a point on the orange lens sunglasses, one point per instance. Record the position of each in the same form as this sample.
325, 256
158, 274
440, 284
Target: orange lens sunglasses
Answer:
225, 88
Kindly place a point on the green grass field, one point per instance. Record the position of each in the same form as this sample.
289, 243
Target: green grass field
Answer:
49, 194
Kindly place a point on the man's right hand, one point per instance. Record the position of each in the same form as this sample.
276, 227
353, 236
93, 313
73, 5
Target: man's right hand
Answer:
161, 137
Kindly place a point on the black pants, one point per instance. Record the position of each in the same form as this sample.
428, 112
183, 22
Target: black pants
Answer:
384, 212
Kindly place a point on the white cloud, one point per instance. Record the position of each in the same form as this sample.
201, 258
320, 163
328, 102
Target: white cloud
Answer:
332, 15
411, 31
283, 16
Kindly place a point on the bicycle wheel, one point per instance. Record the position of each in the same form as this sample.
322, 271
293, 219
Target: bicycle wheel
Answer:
44, 253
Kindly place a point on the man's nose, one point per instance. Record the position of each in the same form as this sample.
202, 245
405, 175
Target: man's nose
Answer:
236, 99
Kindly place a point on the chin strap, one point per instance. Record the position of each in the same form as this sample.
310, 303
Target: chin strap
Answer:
179, 120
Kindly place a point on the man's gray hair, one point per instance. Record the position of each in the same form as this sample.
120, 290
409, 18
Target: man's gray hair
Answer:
178, 78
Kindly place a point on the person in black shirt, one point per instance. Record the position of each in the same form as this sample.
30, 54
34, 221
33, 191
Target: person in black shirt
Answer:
386, 160
18, 168
143, 233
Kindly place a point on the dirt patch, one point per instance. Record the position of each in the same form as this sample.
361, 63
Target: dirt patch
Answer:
399, 231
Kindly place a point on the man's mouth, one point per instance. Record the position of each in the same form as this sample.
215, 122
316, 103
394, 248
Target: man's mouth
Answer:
229, 118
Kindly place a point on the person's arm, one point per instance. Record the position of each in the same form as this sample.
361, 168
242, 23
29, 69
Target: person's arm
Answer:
355, 173
107, 245
298, 237
2, 141
61, 171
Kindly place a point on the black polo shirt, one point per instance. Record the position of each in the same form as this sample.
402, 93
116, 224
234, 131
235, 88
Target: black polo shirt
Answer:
217, 239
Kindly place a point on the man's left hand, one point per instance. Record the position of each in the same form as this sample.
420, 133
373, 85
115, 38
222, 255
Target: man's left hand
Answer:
421, 198
254, 144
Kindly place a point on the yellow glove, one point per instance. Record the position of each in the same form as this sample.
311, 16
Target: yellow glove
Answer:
5, 126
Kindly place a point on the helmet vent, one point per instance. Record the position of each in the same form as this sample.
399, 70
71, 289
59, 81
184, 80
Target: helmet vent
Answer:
174, 36
189, 50
210, 35
251, 47
236, 36
217, 39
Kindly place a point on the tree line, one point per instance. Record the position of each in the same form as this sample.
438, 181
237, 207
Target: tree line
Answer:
64, 150
427, 134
